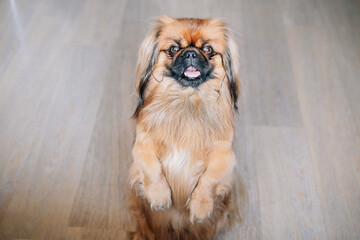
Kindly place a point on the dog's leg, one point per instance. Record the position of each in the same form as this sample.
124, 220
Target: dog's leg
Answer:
216, 179
146, 174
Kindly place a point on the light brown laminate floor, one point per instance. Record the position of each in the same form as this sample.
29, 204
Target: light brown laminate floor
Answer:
66, 97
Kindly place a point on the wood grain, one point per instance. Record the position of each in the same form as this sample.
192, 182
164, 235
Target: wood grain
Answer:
66, 98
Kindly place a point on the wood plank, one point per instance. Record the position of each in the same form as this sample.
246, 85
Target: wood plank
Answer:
272, 95
289, 202
331, 129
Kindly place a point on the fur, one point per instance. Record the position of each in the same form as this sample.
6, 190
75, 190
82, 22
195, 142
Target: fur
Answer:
181, 174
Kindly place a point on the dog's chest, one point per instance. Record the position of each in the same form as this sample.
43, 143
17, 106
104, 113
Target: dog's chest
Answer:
182, 171
197, 120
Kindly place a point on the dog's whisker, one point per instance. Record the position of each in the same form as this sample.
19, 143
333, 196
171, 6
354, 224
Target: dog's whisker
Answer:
156, 78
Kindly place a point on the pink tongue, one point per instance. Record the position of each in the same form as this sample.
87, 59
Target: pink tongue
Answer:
192, 72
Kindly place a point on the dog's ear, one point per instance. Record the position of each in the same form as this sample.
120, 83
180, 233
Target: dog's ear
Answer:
231, 64
147, 58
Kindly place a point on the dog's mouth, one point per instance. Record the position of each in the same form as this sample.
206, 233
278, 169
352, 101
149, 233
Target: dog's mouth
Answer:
192, 76
192, 72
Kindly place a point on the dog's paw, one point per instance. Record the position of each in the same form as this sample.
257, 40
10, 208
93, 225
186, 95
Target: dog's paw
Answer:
222, 190
158, 195
201, 207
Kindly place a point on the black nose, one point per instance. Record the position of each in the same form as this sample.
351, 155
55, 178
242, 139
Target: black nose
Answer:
191, 54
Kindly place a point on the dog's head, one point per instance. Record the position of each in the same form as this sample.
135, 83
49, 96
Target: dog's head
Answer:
189, 51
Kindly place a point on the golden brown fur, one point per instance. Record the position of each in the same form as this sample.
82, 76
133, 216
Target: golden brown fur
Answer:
181, 175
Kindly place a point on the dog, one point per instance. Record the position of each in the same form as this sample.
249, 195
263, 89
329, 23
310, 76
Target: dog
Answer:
187, 85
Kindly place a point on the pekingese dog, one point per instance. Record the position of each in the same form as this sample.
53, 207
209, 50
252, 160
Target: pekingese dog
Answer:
181, 175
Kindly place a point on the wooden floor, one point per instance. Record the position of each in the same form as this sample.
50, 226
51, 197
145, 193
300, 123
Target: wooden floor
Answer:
66, 97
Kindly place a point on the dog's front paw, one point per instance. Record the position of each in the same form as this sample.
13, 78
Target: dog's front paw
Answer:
158, 195
201, 206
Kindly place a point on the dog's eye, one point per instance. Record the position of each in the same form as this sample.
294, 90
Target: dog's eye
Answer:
174, 49
208, 50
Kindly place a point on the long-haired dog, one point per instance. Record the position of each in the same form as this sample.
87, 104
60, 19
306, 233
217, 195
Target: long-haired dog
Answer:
181, 175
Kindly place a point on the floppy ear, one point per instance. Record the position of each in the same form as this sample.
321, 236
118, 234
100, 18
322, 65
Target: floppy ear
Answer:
231, 64
147, 58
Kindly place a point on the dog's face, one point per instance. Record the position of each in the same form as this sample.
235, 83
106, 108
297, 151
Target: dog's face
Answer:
189, 51
192, 49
